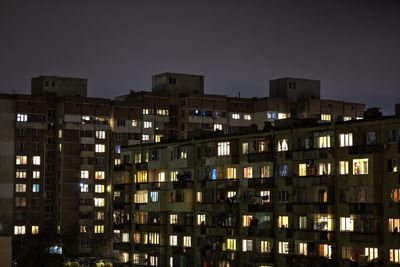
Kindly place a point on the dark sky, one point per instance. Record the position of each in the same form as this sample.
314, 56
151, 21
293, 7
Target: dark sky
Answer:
353, 47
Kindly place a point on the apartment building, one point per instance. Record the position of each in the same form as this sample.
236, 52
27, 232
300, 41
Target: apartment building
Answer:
59, 150
300, 194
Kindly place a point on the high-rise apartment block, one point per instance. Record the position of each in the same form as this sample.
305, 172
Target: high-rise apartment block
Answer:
299, 194
60, 149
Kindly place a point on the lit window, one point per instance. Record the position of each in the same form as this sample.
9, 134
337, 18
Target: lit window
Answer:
20, 188
346, 118
36, 160
162, 112
99, 229
343, 167
157, 138
283, 170
140, 197
303, 222
247, 245
20, 174
323, 222
35, 188
231, 173
283, 145
84, 174
283, 247
231, 244
99, 188
161, 177
199, 196
145, 137
394, 225
147, 111
371, 253
360, 166
84, 187
154, 238
266, 171
21, 160
141, 176
302, 169
235, 116
138, 158
173, 218
271, 115
22, 117
217, 127
265, 196
147, 124
326, 117
247, 117
201, 219
134, 123
393, 165
246, 220
324, 141
99, 175
187, 241
101, 134
153, 196
395, 194
324, 168
346, 224
36, 174
283, 221
325, 251
265, 246
245, 148
173, 176
35, 229
346, 139
173, 240
117, 162
100, 148
99, 202
86, 118
248, 172
302, 249
282, 116
19, 230
223, 148
394, 255
125, 237
153, 261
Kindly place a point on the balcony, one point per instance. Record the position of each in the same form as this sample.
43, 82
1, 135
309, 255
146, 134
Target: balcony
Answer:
261, 207
141, 166
122, 246
257, 182
365, 149
260, 157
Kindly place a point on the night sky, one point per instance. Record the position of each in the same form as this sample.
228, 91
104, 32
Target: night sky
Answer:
353, 47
